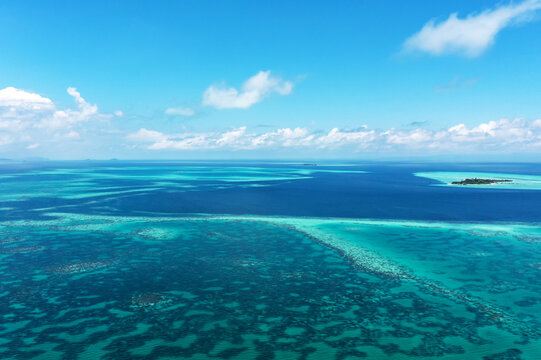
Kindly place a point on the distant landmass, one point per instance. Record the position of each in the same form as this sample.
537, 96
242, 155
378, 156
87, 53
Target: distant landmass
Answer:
476, 181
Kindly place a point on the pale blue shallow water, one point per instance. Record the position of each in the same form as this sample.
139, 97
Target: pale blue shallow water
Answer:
140, 260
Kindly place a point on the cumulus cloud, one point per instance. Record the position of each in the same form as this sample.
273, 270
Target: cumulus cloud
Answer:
502, 135
182, 111
84, 107
503, 132
14, 99
412, 137
11, 124
26, 116
22, 109
253, 91
337, 138
231, 137
285, 137
66, 118
472, 35
19, 108
72, 135
145, 135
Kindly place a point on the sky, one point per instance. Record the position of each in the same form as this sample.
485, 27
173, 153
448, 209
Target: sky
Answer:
270, 79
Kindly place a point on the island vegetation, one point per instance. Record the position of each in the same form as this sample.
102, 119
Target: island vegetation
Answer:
477, 181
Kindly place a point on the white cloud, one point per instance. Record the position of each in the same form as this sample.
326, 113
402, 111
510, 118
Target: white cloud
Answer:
5, 139
471, 35
337, 138
182, 111
29, 120
496, 133
118, 113
503, 135
253, 91
188, 143
11, 125
20, 109
11, 97
286, 137
145, 135
412, 137
231, 137
72, 135
66, 118
84, 107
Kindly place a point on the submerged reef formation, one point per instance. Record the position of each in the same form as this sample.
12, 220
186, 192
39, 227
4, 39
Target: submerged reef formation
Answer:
82, 266
241, 287
362, 258
370, 261
10, 240
149, 300
22, 249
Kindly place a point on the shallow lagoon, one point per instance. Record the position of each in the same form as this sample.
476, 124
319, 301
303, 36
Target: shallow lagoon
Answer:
103, 283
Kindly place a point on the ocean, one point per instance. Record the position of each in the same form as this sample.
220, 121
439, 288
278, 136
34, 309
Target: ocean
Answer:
269, 260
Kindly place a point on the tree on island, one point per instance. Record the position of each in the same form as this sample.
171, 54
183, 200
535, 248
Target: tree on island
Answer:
477, 181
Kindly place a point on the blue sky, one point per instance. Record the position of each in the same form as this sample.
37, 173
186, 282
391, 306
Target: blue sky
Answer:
245, 79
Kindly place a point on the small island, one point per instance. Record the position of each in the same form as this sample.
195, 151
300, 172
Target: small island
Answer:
476, 181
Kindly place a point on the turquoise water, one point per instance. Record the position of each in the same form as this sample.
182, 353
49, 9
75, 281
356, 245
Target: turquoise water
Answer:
83, 278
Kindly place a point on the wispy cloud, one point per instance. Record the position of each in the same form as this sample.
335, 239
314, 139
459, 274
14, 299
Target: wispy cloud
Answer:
65, 119
253, 91
72, 135
182, 111
145, 135
456, 83
472, 35
502, 135
418, 123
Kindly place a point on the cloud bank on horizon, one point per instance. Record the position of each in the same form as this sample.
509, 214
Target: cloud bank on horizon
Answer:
472, 35
501, 135
29, 120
